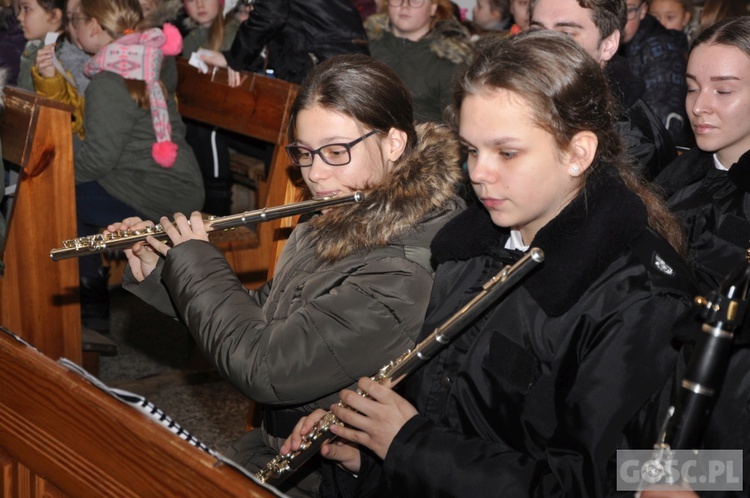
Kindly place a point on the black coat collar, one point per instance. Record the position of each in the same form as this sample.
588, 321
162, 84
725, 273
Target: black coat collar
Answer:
626, 87
696, 164
739, 172
587, 236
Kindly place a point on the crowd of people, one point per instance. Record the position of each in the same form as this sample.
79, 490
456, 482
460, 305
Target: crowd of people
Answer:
611, 134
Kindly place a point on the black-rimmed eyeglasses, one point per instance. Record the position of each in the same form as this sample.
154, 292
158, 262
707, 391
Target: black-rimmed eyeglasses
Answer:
331, 154
412, 3
633, 11
75, 20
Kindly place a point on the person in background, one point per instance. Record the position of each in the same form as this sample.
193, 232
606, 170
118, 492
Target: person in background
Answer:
242, 10
658, 56
492, 15
352, 282
291, 36
672, 14
709, 194
210, 30
597, 26
533, 398
135, 160
12, 41
70, 87
676, 15
72, 56
37, 18
425, 45
717, 10
519, 10
709, 190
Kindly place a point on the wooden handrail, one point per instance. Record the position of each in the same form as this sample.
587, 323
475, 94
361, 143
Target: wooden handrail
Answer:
62, 436
39, 298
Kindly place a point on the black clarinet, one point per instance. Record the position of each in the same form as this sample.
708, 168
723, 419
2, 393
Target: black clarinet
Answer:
722, 312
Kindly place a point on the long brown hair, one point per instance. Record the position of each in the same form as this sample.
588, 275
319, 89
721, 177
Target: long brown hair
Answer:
715, 11
568, 93
362, 88
216, 32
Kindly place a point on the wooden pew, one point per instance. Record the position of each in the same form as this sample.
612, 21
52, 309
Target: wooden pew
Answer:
39, 298
62, 436
258, 108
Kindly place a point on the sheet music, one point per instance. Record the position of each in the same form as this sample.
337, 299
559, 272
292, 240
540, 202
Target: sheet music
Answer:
148, 408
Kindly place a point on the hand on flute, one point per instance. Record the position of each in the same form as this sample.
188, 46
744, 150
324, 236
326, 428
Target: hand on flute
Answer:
343, 452
180, 230
372, 421
141, 257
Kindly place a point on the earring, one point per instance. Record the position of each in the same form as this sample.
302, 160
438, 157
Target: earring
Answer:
574, 170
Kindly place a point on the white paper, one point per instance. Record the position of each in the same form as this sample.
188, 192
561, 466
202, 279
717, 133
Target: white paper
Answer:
49, 40
196, 61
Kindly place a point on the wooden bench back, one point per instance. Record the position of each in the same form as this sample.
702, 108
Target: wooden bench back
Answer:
62, 436
258, 108
39, 298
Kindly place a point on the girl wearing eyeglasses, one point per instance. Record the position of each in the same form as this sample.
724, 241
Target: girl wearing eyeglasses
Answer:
425, 45
352, 284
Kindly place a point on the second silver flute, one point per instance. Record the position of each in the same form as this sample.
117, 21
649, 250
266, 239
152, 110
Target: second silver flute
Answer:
125, 239
282, 466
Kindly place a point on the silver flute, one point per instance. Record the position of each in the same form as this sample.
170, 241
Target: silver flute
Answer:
282, 466
125, 239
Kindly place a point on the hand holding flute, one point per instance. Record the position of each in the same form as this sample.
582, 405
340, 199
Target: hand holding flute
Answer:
119, 237
142, 256
372, 421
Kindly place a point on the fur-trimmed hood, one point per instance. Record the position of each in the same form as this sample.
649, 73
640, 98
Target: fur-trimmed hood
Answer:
420, 186
164, 12
448, 39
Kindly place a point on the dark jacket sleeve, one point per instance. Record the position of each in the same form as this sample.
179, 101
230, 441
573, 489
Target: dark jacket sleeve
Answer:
272, 361
646, 140
616, 374
152, 291
268, 17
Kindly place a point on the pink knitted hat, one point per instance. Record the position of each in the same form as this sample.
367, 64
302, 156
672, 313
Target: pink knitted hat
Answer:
138, 56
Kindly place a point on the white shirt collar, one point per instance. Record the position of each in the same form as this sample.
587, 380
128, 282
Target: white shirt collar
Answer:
718, 165
515, 242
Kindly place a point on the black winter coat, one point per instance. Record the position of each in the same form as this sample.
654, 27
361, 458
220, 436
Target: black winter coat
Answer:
714, 206
535, 398
645, 138
715, 211
658, 56
297, 34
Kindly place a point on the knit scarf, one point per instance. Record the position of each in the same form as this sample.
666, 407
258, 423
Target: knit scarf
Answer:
138, 56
